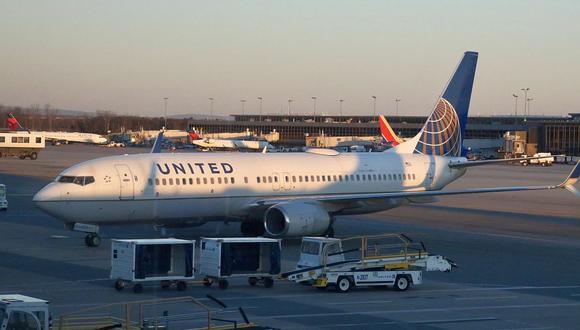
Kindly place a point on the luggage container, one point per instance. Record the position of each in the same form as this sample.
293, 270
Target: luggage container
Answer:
255, 258
169, 261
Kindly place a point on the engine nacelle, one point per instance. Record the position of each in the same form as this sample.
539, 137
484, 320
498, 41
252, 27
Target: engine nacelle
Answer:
296, 219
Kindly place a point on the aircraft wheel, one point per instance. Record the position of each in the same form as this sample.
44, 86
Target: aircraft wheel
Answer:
165, 285
138, 288
252, 281
402, 283
223, 284
207, 282
119, 285
343, 284
268, 282
92, 240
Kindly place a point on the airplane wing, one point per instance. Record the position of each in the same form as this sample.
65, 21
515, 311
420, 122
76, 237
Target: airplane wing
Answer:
337, 198
157, 145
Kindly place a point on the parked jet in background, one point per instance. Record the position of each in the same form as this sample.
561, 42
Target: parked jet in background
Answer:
387, 132
237, 144
281, 194
58, 137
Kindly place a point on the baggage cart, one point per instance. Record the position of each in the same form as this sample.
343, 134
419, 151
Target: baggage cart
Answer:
169, 261
256, 258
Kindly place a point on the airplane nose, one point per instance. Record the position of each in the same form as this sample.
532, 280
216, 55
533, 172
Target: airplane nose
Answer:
46, 199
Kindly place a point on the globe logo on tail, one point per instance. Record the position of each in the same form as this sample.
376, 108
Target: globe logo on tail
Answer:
441, 135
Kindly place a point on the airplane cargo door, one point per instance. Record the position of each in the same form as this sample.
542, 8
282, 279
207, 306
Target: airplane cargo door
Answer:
126, 180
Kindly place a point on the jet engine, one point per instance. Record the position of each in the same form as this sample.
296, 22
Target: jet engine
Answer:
296, 219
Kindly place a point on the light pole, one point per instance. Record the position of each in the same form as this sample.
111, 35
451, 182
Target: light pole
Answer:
260, 99
165, 107
374, 105
210, 105
289, 102
314, 107
515, 105
340, 106
525, 90
397, 100
243, 106
529, 100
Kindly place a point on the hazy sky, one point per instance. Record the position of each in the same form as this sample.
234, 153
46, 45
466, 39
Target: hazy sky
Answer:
126, 56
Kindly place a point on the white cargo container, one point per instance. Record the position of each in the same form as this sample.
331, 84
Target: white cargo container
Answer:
168, 260
255, 258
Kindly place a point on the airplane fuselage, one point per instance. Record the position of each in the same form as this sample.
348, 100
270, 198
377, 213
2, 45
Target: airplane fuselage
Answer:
174, 188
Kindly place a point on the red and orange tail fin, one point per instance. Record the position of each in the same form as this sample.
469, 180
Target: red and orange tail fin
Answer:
387, 132
13, 124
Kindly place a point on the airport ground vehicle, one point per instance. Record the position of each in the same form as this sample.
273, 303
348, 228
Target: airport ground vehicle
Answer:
3, 200
547, 161
169, 261
22, 312
21, 144
255, 258
380, 260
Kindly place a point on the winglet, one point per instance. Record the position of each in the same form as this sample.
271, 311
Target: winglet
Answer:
157, 145
572, 178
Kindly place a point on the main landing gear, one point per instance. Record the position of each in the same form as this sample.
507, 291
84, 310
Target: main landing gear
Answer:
92, 240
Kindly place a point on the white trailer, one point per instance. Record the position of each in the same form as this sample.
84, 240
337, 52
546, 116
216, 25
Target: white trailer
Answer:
21, 144
3, 200
255, 258
22, 312
169, 261
380, 260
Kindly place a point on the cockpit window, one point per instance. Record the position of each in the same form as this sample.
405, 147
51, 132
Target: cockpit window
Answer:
80, 180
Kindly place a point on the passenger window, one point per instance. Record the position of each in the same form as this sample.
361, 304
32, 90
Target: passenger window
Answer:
258, 179
413, 176
197, 180
340, 177
275, 179
334, 178
390, 178
300, 178
312, 178
164, 181
184, 181
156, 181
306, 178
219, 180
245, 179
22, 320
324, 178
232, 180
211, 180
293, 178
287, 178
190, 181
346, 177
225, 180
38, 140
204, 180
269, 179
400, 179
170, 181
177, 181
26, 140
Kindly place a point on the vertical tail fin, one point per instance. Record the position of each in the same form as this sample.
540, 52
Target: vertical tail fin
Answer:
388, 133
443, 133
13, 123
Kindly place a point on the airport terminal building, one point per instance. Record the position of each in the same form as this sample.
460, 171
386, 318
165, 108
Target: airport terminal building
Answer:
559, 135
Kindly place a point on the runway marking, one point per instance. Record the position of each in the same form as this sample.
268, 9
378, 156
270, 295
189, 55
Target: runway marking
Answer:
59, 236
404, 322
421, 310
480, 298
359, 302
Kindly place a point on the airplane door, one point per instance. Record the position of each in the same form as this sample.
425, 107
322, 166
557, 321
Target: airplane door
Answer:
276, 181
126, 180
285, 181
430, 172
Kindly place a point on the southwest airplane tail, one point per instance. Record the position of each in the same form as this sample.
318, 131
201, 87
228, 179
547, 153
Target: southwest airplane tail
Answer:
443, 133
13, 123
387, 132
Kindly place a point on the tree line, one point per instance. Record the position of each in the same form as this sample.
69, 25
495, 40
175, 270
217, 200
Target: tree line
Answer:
46, 118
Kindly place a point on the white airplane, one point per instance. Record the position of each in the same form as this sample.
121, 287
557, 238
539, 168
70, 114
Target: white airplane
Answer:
281, 194
58, 137
236, 144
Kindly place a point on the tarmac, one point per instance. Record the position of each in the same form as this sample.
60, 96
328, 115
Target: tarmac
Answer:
518, 255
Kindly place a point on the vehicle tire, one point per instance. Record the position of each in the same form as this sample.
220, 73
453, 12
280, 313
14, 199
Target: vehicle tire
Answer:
343, 284
165, 285
138, 288
543, 164
22, 156
92, 240
268, 282
402, 283
252, 281
181, 286
207, 282
33, 155
119, 285
223, 284
525, 164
